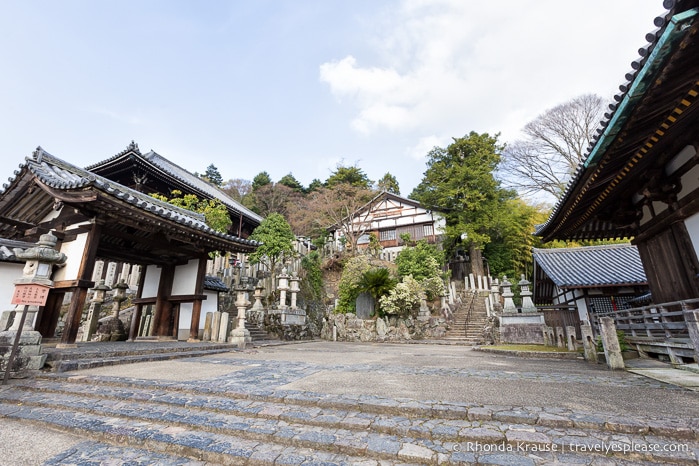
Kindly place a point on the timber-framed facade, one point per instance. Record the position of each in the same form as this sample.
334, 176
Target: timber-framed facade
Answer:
93, 218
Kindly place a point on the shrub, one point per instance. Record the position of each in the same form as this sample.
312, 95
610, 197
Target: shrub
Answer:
403, 298
421, 261
348, 288
434, 287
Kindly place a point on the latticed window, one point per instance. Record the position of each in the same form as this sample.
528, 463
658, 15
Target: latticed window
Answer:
387, 235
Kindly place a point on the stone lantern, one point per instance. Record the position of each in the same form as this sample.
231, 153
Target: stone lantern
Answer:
31, 287
283, 287
526, 294
240, 336
294, 282
507, 294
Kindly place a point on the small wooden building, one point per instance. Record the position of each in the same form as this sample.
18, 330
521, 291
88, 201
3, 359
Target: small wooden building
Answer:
98, 218
591, 279
388, 216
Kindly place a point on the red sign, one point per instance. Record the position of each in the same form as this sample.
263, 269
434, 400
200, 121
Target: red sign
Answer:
30, 294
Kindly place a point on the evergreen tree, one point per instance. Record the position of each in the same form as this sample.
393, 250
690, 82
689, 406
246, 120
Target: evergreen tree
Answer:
389, 183
459, 182
212, 175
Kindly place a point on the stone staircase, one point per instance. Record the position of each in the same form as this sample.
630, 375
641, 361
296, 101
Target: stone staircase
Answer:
257, 334
91, 355
171, 422
469, 319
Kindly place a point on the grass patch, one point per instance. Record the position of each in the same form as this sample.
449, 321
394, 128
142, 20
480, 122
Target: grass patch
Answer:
538, 348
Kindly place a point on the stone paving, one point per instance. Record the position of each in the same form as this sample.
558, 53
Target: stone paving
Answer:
337, 403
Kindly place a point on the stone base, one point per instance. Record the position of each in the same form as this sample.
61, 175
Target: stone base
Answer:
28, 356
524, 328
240, 337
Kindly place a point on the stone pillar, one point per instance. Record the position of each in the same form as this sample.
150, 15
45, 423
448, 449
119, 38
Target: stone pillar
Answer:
692, 320
215, 325
570, 338
547, 339
526, 294
207, 326
223, 328
589, 343
294, 281
508, 295
283, 287
612, 351
110, 278
560, 337
240, 336
93, 314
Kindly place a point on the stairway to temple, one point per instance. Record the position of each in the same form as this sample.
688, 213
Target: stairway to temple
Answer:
170, 422
257, 334
468, 327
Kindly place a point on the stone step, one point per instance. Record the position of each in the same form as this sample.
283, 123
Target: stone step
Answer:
225, 425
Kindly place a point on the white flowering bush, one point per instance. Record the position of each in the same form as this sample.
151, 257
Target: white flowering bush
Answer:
434, 287
403, 298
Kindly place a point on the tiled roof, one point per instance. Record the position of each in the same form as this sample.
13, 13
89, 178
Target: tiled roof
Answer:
615, 264
198, 183
214, 284
643, 70
7, 246
59, 174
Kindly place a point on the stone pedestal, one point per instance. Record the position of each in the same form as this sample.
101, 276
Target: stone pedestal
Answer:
259, 289
522, 328
28, 356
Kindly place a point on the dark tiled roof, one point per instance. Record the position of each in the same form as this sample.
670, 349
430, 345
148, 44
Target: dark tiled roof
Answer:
59, 174
7, 246
198, 183
214, 284
616, 264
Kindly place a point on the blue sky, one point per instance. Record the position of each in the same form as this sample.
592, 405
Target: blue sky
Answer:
298, 86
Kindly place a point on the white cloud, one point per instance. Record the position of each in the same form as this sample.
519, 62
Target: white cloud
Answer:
424, 145
452, 66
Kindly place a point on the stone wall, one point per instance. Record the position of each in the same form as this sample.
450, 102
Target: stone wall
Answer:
272, 323
388, 329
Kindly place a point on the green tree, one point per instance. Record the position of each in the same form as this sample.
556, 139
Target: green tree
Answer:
261, 179
389, 183
353, 176
212, 175
277, 242
314, 185
509, 252
215, 213
291, 182
459, 182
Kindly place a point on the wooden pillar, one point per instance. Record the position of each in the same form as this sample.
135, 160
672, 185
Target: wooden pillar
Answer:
48, 319
163, 306
196, 306
136, 316
84, 279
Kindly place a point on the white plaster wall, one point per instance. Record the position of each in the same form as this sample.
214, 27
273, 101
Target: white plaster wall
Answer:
690, 182
185, 321
185, 280
74, 253
151, 281
583, 312
9, 272
692, 224
186, 309
210, 304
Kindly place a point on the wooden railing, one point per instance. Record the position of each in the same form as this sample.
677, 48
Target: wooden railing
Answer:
654, 321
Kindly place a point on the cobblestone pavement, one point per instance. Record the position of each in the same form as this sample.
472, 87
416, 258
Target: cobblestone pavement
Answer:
342, 403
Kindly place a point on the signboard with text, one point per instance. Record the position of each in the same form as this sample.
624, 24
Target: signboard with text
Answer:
30, 294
